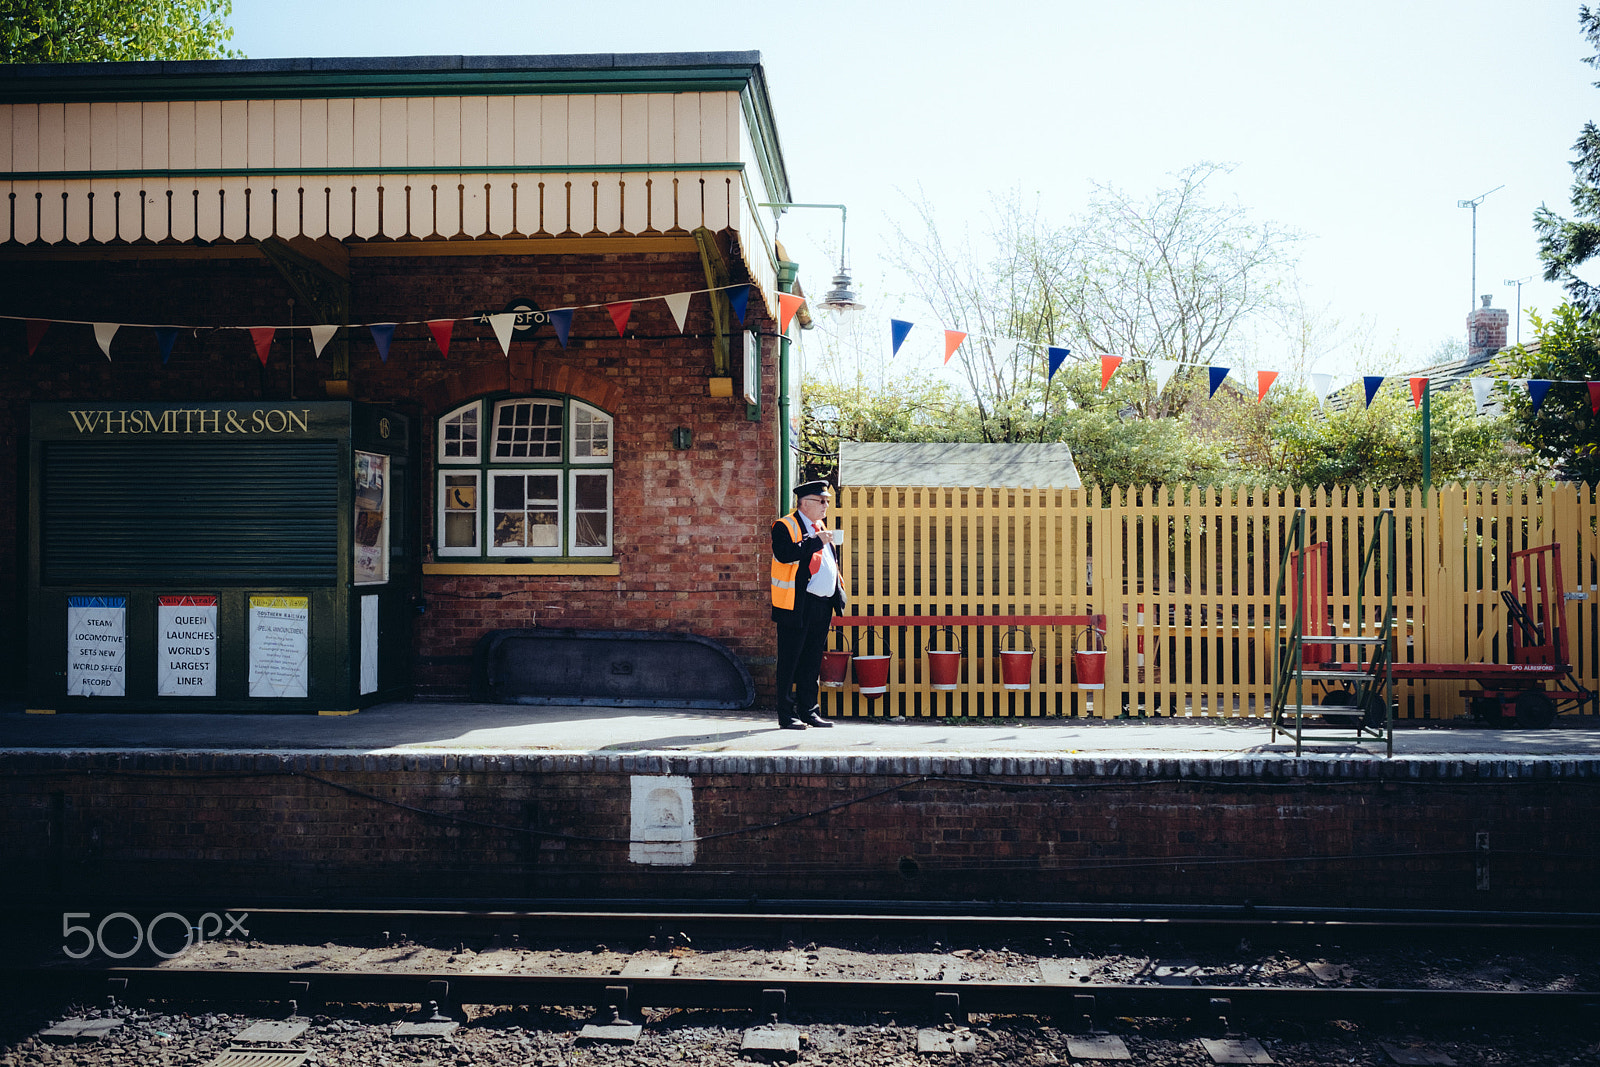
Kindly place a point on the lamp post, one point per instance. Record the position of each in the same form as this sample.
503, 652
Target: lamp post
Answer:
1473, 204
840, 298
1518, 282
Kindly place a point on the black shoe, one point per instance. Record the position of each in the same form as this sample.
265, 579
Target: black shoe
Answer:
792, 724
814, 718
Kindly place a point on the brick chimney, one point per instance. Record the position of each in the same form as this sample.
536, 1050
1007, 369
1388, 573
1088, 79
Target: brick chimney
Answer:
1486, 329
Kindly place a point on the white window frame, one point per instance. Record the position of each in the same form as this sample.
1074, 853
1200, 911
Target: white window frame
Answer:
489, 547
572, 513
442, 511
439, 430
572, 434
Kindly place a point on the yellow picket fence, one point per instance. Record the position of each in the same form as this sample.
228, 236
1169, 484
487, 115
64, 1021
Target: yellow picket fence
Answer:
1187, 578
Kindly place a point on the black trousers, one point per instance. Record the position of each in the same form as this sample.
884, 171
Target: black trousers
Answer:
800, 645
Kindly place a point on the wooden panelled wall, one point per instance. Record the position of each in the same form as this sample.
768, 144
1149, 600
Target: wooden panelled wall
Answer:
1187, 577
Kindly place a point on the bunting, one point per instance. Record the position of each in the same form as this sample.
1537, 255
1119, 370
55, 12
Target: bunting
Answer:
320, 336
382, 334
898, 328
1058, 356
678, 304
36, 329
262, 335
441, 330
1108, 367
165, 336
103, 333
1480, 393
502, 325
1218, 375
1370, 383
738, 298
1538, 389
1163, 370
561, 320
1264, 380
619, 317
788, 304
1418, 387
1594, 397
952, 341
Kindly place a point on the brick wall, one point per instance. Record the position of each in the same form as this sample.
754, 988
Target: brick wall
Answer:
347, 827
690, 526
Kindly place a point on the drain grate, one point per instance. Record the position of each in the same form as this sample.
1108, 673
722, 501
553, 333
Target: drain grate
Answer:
261, 1057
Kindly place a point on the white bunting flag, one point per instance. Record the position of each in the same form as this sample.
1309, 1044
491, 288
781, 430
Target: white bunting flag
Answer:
1321, 386
1163, 369
104, 332
503, 325
1480, 393
320, 336
679, 305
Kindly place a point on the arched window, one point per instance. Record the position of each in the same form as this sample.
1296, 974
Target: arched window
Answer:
524, 476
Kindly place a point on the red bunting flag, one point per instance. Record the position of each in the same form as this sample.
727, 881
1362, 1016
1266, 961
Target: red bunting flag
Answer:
619, 315
36, 329
1417, 386
1594, 397
441, 330
1264, 380
263, 339
788, 304
1108, 367
952, 341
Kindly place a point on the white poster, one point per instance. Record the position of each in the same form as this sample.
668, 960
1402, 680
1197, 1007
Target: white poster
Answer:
97, 646
186, 646
369, 644
280, 646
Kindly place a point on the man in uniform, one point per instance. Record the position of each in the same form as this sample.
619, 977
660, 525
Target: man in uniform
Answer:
806, 591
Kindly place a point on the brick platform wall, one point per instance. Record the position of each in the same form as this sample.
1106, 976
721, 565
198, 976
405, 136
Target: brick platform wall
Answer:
145, 828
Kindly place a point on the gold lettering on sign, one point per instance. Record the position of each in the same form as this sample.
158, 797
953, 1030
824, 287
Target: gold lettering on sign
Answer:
192, 420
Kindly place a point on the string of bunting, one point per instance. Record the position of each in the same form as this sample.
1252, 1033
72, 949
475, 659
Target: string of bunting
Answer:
1322, 385
442, 329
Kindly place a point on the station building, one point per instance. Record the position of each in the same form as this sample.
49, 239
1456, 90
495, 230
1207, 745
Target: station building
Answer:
313, 372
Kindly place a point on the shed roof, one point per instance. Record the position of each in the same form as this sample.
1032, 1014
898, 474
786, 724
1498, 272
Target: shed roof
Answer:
958, 465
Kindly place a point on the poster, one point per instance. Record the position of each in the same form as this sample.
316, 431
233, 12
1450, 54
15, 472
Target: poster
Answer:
372, 512
186, 646
280, 645
97, 646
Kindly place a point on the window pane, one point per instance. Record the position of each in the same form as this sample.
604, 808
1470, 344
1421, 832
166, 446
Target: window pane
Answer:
591, 433
461, 531
508, 492
509, 529
591, 492
527, 429
544, 528
544, 488
458, 435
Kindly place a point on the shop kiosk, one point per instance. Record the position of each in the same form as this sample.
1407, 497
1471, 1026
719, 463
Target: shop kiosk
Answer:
246, 556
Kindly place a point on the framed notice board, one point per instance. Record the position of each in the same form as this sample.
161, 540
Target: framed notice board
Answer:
215, 556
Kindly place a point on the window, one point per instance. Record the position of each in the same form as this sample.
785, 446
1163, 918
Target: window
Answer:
539, 485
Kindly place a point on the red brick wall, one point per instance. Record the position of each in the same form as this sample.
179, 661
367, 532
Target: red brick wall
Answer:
690, 526
255, 826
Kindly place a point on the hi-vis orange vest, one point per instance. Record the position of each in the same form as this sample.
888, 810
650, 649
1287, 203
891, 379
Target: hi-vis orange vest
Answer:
783, 574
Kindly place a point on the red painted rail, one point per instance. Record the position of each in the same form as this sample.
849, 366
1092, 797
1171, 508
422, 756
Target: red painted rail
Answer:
1096, 621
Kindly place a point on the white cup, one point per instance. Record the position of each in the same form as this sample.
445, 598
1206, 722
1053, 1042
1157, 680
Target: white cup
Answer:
838, 537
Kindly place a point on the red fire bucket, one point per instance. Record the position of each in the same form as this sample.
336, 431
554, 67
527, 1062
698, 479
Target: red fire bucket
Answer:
835, 665
872, 675
1090, 665
944, 665
1016, 665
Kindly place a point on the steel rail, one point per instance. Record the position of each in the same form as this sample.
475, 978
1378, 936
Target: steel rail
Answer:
1075, 999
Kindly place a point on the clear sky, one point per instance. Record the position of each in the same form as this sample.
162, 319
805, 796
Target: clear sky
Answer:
1360, 123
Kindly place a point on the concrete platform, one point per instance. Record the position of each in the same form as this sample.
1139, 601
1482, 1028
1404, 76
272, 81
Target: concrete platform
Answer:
420, 727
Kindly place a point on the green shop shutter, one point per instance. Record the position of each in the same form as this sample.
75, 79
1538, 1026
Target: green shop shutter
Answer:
218, 511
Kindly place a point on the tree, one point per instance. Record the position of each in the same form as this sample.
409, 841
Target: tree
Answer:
1564, 243
88, 31
1564, 431
1172, 276
909, 408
